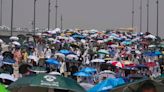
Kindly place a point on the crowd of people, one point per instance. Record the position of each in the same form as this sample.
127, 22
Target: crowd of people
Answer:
89, 56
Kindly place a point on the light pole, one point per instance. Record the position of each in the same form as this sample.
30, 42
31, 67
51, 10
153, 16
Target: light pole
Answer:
56, 13
140, 15
132, 13
34, 20
49, 5
12, 13
1, 14
157, 2
61, 22
147, 15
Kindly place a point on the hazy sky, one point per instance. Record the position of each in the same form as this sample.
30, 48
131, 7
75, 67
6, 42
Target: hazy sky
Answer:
87, 14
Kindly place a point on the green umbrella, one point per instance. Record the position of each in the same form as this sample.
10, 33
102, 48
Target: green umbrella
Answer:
44, 82
136, 86
3, 88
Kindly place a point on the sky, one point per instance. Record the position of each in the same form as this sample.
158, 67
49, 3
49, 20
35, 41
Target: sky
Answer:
85, 14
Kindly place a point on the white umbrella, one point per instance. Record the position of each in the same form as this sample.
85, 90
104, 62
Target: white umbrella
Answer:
55, 73
60, 55
150, 36
39, 34
1, 41
16, 43
14, 38
7, 77
51, 39
33, 58
107, 72
97, 60
138, 52
72, 56
152, 46
103, 51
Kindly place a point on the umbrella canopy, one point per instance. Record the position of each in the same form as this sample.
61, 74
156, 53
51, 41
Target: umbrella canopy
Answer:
45, 81
82, 74
52, 61
107, 85
38, 69
88, 70
65, 52
7, 77
103, 51
1, 41
60, 55
55, 73
118, 64
72, 56
14, 38
107, 72
35, 58
16, 43
97, 60
9, 61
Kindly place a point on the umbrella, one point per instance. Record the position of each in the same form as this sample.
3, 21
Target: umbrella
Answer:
7, 77
97, 61
86, 86
60, 55
38, 69
55, 73
33, 58
118, 64
9, 61
14, 38
16, 43
107, 72
65, 52
3, 88
152, 46
52, 61
141, 84
1, 41
150, 36
82, 74
72, 56
103, 51
107, 85
43, 82
88, 70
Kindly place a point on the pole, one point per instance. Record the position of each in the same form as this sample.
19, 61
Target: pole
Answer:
157, 17
56, 13
12, 11
1, 11
147, 15
140, 15
61, 22
34, 17
132, 13
49, 4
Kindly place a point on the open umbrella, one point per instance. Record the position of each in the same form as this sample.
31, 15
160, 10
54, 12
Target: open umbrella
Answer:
14, 38
72, 56
7, 77
107, 85
52, 61
55, 73
1, 41
88, 70
65, 52
118, 64
44, 82
103, 51
82, 74
16, 43
60, 55
97, 61
37, 69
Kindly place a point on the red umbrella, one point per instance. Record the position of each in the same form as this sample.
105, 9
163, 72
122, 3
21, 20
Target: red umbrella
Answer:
118, 64
151, 64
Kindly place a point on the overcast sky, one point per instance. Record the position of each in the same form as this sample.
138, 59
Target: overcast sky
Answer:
86, 14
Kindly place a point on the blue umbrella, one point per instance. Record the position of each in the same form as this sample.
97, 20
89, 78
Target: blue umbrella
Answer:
157, 53
82, 74
52, 61
8, 61
78, 36
65, 52
107, 85
88, 70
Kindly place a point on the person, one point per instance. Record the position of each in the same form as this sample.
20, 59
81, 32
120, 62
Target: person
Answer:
148, 86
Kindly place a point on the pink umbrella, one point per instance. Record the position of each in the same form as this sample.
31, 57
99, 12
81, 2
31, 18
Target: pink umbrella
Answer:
118, 64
